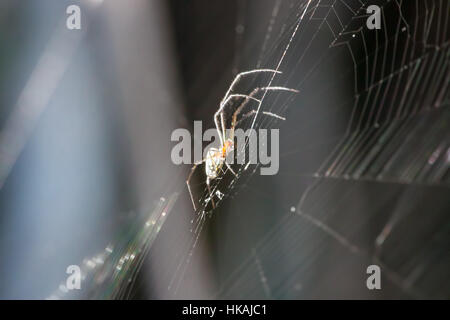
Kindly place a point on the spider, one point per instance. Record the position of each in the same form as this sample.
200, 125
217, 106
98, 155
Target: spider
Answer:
216, 158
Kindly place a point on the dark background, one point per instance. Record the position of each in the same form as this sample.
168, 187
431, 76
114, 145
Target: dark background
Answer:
364, 175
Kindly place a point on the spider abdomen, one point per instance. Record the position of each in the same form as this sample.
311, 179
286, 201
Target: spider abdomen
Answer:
213, 163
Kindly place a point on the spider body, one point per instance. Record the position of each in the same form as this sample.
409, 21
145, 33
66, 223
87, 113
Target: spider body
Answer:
213, 163
216, 157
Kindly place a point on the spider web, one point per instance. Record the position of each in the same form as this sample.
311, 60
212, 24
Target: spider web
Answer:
364, 152
364, 155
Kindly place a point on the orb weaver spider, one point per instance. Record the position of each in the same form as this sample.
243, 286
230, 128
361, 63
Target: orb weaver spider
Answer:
216, 158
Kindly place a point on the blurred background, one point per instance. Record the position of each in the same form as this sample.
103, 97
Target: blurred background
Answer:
87, 179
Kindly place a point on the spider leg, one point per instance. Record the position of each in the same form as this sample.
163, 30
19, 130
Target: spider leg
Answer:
210, 194
240, 75
277, 88
189, 179
221, 129
225, 99
229, 168
252, 112
238, 95
255, 91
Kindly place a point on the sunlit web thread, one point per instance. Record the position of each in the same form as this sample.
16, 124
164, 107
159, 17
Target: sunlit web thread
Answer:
279, 63
305, 9
263, 250
275, 9
389, 73
403, 99
366, 59
186, 260
189, 254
